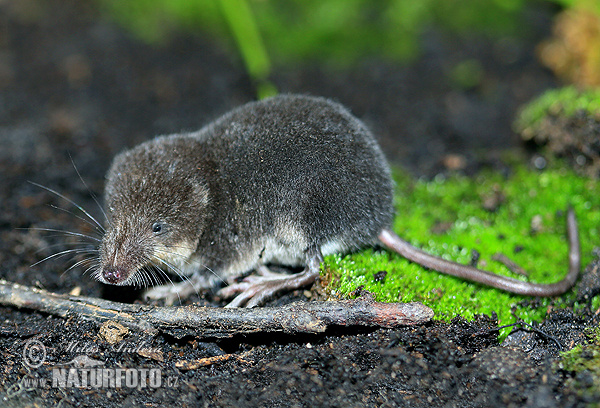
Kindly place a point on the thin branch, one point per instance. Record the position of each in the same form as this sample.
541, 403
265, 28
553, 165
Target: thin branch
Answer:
215, 322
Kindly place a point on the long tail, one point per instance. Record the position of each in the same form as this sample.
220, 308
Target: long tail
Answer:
394, 242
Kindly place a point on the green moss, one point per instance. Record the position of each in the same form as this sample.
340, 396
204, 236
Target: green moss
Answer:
582, 366
454, 205
564, 102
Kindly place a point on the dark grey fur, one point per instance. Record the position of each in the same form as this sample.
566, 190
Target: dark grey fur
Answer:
284, 171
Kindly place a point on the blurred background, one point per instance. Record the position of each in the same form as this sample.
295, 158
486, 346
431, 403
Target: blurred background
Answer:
341, 33
439, 81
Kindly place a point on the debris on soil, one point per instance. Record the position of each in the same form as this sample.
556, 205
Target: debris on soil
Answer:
437, 364
589, 284
491, 201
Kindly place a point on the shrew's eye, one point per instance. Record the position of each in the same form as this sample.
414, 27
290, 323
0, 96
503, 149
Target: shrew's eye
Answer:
158, 228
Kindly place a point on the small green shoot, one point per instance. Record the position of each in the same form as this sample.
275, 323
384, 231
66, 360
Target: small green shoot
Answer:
242, 23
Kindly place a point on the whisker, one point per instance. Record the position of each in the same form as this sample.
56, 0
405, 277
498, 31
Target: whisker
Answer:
89, 191
93, 264
88, 222
185, 247
140, 279
185, 278
60, 244
177, 271
84, 252
94, 270
173, 268
148, 277
66, 232
214, 273
137, 280
75, 265
153, 273
70, 201
180, 273
56, 255
89, 249
188, 263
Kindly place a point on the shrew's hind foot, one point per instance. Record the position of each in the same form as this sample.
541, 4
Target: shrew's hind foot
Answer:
254, 290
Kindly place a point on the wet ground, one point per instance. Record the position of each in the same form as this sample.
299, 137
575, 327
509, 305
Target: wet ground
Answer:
75, 90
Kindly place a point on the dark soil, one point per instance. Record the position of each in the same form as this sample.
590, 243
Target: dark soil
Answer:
75, 90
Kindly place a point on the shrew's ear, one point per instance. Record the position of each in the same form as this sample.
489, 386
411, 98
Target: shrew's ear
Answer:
200, 193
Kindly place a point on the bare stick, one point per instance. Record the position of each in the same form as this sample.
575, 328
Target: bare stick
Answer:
215, 322
509, 263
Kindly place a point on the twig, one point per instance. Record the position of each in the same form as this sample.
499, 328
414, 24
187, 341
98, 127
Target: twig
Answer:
533, 329
214, 322
509, 263
203, 362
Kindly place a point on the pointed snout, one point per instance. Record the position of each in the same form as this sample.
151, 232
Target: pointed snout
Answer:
114, 274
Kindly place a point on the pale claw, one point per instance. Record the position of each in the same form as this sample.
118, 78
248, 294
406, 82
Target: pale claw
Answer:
263, 275
255, 290
259, 288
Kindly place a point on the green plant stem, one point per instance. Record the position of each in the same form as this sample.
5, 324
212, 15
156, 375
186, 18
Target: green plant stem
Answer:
240, 18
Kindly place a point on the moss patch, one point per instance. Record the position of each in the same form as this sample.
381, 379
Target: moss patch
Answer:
448, 217
565, 102
567, 122
582, 364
